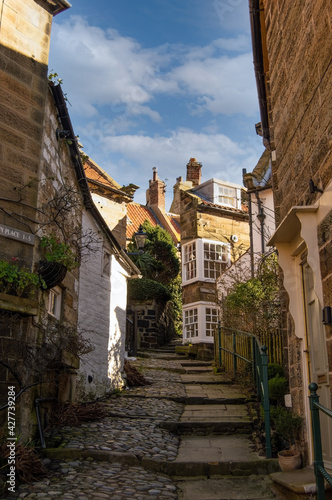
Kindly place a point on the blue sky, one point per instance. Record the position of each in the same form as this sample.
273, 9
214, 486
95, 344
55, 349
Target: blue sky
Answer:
152, 83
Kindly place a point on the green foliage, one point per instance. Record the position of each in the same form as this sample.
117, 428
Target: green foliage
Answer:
57, 251
146, 289
175, 290
54, 77
18, 281
273, 369
159, 261
278, 387
286, 427
254, 305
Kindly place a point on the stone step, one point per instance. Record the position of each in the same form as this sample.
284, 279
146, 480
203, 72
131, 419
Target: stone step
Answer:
299, 484
253, 487
204, 378
225, 394
196, 363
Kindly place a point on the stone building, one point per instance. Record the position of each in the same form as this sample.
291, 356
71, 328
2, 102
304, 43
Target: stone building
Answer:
292, 57
51, 232
214, 231
25, 28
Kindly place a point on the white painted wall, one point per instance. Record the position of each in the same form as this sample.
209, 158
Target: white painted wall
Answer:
102, 318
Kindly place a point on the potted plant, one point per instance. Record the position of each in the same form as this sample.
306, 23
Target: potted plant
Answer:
287, 426
58, 259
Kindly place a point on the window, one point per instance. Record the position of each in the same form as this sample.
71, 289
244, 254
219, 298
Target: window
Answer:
190, 323
216, 259
54, 302
211, 321
189, 261
228, 196
107, 263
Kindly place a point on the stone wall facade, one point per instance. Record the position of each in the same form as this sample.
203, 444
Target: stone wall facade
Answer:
300, 80
298, 74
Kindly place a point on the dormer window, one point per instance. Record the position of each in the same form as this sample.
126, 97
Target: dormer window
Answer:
228, 196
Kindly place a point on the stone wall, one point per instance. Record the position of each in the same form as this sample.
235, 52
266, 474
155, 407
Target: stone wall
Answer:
150, 330
115, 214
300, 84
102, 318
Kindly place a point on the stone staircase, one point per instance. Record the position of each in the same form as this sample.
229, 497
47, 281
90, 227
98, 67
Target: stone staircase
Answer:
216, 457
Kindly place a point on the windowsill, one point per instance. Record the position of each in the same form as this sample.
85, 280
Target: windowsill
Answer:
18, 304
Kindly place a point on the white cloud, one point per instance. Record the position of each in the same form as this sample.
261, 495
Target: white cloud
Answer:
103, 68
221, 157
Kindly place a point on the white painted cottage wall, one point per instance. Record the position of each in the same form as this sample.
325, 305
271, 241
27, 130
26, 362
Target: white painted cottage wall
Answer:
102, 319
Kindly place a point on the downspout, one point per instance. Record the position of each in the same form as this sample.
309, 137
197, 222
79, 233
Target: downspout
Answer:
251, 239
40, 425
261, 217
257, 47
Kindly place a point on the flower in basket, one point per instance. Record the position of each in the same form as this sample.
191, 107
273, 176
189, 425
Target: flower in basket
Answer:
57, 251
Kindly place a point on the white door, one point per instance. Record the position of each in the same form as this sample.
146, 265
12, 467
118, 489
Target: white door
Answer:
317, 358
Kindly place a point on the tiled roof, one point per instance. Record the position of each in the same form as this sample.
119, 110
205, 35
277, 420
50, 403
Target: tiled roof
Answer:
137, 214
94, 172
175, 221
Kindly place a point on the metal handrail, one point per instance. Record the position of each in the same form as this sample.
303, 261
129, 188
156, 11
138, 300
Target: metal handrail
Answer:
320, 471
259, 368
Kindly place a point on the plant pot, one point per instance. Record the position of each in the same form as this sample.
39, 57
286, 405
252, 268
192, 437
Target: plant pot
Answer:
52, 273
289, 460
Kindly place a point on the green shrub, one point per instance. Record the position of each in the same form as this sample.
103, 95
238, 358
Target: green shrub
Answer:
274, 369
286, 427
278, 387
145, 289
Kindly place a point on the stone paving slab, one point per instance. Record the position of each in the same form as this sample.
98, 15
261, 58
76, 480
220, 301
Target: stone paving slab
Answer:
215, 413
216, 449
243, 488
214, 392
203, 378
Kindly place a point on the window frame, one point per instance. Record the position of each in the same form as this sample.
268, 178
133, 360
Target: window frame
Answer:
200, 260
202, 307
55, 298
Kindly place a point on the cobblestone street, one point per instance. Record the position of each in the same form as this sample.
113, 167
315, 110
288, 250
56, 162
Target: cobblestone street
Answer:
153, 445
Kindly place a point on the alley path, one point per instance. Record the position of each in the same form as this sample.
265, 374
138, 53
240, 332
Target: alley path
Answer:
185, 436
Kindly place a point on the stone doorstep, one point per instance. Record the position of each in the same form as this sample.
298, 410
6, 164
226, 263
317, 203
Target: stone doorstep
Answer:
299, 484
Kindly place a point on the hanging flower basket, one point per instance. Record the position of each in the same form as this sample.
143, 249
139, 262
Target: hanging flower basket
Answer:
52, 272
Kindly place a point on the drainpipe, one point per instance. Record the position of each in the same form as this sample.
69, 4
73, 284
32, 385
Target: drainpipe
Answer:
261, 217
40, 425
251, 240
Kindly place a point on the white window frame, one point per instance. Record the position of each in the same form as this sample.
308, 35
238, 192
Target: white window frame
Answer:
226, 196
189, 261
200, 258
203, 335
54, 305
190, 323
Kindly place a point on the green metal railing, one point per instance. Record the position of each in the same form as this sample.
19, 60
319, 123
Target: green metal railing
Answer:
320, 472
237, 349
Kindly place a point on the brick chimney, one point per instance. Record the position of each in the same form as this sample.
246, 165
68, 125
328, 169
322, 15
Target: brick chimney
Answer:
155, 195
194, 172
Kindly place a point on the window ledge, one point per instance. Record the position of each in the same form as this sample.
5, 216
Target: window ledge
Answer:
18, 304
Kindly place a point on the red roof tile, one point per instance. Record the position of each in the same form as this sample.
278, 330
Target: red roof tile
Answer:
94, 172
138, 214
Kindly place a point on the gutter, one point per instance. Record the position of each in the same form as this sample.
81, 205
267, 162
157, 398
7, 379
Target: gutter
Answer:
61, 106
257, 47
